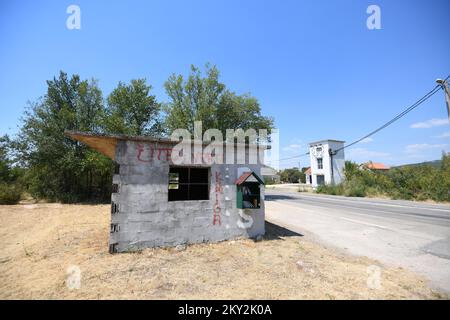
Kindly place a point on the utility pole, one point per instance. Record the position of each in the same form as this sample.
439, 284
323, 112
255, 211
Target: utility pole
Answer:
444, 86
331, 153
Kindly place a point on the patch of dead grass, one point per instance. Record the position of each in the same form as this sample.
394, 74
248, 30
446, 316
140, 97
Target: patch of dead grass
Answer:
40, 241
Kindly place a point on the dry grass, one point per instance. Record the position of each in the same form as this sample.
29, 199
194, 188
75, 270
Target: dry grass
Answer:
39, 242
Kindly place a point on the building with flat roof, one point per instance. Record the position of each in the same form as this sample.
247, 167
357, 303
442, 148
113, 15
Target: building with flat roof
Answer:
327, 160
156, 202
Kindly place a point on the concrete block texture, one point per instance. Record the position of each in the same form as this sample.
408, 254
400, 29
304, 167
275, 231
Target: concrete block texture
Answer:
145, 218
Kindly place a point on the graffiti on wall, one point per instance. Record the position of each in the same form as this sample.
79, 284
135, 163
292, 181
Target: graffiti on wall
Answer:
147, 153
218, 191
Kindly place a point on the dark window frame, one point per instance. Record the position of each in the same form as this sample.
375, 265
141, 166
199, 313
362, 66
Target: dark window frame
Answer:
186, 182
319, 163
320, 181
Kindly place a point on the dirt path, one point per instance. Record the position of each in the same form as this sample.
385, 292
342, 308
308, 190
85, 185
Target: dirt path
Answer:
40, 242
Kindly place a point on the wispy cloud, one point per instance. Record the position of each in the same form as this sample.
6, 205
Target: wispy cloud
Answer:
430, 123
292, 147
363, 153
443, 135
366, 140
422, 147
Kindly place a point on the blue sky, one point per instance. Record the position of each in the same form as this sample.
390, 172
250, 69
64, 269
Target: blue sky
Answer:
314, 65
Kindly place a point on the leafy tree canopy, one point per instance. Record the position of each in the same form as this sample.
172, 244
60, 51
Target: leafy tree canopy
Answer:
132, 110
60, 168
5, 169
206, 99
292, 175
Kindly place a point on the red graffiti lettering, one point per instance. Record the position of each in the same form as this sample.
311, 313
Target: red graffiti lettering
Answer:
165, 154
166, 151
140, 150
143, 157
218, 190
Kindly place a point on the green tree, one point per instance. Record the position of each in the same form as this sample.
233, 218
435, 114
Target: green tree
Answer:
420, 182
351, 169
10, 188
292, 175
58, 167
5, 170
132, 110
206, 99
445, 177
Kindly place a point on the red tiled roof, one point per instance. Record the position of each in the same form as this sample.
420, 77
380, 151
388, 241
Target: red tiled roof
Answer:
376, 166
245, 176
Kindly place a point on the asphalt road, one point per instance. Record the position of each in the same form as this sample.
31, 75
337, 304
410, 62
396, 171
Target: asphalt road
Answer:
399, 233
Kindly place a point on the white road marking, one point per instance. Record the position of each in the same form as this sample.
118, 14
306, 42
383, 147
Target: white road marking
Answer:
310, 209
367, 224
383, 216
372, 203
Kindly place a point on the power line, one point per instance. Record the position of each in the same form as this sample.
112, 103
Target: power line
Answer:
294, 157
400, 115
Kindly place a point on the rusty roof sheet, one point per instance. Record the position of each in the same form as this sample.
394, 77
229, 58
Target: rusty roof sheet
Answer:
106, 144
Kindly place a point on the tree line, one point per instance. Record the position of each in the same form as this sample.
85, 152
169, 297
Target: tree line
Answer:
45, 164
293, 175
419, 182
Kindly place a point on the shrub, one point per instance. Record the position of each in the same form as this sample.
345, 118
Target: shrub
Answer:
418, 182
355, 188
331, 189
10, 193
268, 181
373, 191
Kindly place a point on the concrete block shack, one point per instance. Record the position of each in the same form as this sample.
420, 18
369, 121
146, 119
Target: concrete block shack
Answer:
155, 203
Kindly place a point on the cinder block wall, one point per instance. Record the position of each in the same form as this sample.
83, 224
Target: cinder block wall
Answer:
142, 216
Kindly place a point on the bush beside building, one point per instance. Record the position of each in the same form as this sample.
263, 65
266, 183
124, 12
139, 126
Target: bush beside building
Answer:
421, 182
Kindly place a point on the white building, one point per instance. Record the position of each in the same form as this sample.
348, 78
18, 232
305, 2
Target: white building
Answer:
327, 162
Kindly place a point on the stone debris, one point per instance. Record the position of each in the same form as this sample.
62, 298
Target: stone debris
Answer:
180, 247
305, 266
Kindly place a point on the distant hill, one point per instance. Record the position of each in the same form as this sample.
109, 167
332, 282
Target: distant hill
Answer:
434, 163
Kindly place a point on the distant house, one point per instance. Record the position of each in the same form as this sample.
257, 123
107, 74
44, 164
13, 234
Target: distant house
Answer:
308, 176
375, 166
